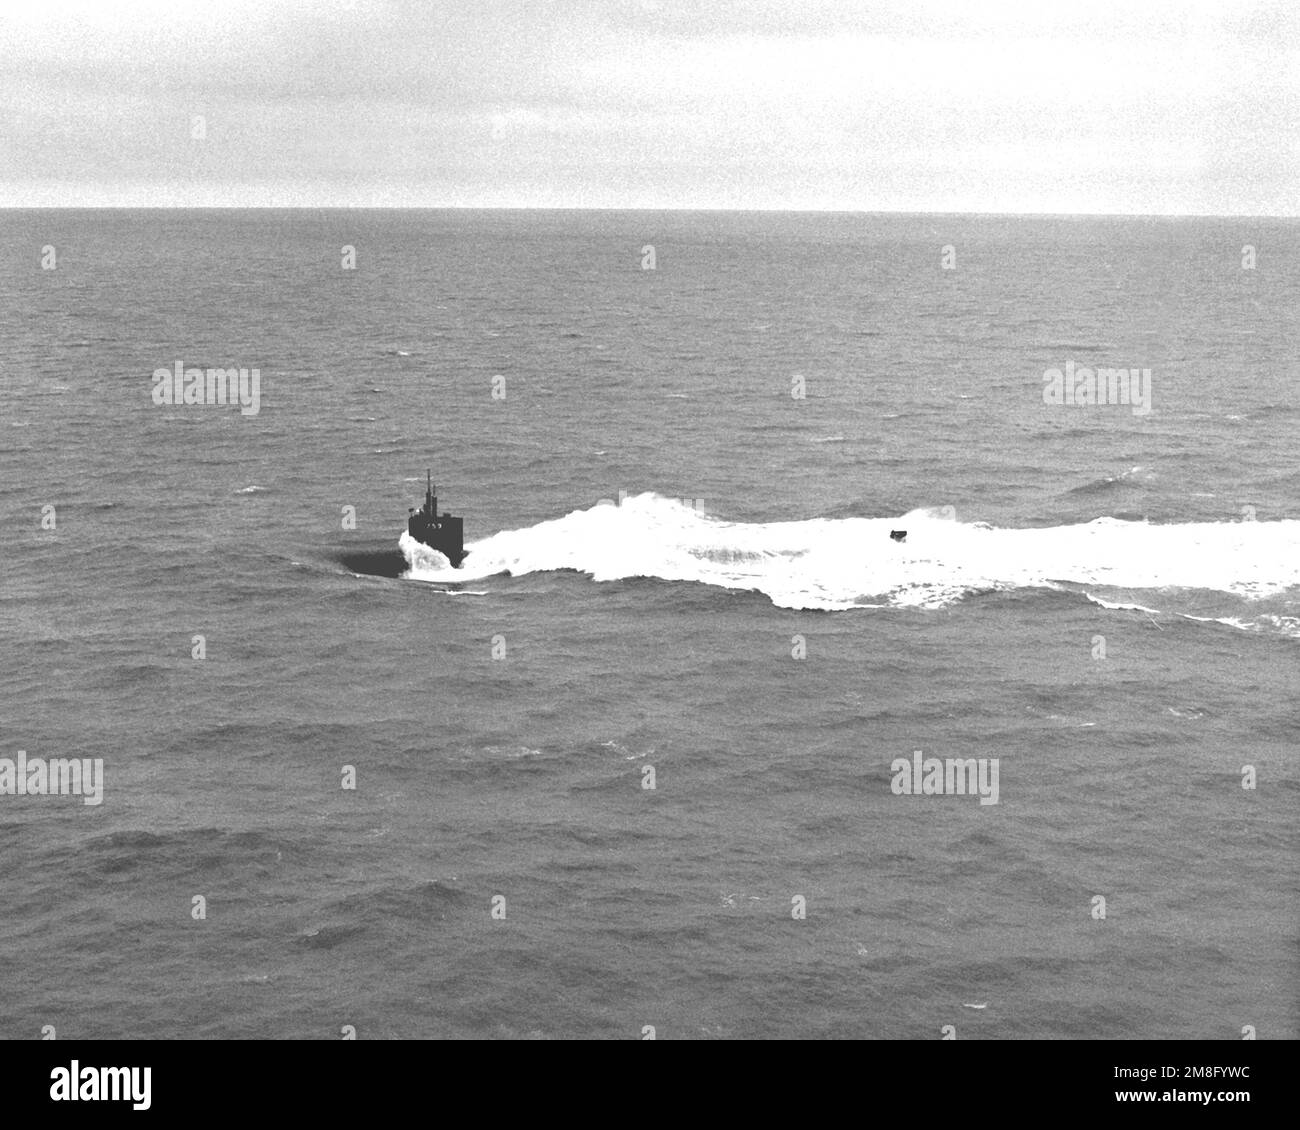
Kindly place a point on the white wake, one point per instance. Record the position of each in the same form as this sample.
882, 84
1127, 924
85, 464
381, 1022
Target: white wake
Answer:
840, 563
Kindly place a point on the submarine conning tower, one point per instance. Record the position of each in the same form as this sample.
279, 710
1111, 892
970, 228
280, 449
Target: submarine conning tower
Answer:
443, 532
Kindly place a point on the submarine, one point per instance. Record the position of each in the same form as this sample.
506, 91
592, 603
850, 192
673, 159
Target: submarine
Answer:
442, 532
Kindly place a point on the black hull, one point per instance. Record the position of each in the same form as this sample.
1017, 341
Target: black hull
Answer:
449, 543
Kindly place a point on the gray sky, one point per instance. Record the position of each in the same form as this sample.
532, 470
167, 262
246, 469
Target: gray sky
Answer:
915, 105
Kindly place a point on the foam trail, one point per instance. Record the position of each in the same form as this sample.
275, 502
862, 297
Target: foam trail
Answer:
1283, 625
826, 563
1118, 607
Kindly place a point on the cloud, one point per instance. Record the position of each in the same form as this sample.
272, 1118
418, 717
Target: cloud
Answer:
774, 103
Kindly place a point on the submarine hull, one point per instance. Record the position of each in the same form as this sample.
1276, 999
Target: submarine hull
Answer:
445, 533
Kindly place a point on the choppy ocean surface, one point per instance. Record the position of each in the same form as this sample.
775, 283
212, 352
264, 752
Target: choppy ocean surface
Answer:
1106, 601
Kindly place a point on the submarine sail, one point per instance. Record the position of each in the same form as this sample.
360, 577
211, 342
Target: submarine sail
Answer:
443, 532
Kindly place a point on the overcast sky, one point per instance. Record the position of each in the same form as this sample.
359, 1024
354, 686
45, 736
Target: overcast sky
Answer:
915, 105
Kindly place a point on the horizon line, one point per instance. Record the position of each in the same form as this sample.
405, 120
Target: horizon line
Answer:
608, 208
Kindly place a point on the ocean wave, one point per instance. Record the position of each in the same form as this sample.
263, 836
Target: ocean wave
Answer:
1282, 625
840, 563
1120, 607
1134, 477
